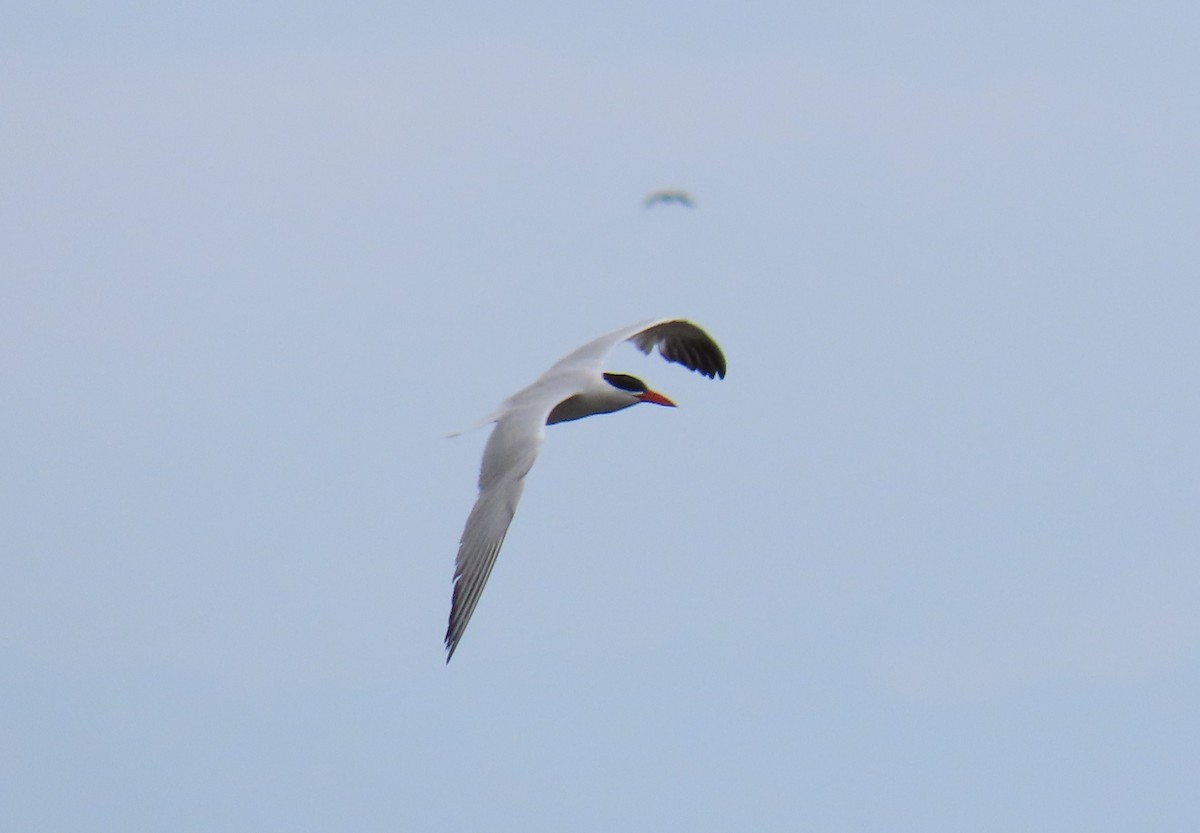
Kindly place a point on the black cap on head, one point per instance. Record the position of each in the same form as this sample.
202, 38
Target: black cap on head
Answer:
626, 382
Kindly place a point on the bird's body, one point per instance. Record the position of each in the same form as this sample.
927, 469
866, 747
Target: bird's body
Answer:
669, 195
574, 387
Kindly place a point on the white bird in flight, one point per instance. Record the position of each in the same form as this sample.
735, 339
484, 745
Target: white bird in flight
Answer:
574, 387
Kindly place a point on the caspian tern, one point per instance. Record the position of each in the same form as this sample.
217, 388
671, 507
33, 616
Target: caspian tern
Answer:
574, 387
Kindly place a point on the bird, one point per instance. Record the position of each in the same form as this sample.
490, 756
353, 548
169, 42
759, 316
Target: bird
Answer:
576, 386
669, 195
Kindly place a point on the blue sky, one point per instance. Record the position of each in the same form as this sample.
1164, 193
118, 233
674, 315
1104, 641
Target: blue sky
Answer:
924, 561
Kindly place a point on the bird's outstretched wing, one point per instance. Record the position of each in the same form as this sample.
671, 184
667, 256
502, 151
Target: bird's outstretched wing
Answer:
507, 458
677, 341
684, 343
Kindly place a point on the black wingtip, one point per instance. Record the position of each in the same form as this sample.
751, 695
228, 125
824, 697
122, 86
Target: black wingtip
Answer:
680, 341
451, 642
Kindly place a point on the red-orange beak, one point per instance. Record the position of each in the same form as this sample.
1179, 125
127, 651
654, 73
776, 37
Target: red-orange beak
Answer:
656, 398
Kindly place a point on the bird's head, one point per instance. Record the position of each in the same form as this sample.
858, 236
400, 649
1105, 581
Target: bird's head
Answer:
637, 389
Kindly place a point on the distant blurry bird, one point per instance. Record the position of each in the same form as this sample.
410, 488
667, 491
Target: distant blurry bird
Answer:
669, 195
573, 388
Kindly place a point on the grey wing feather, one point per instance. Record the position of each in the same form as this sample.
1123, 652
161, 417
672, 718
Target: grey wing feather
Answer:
595, 351
677, 341
510, 453
486, 528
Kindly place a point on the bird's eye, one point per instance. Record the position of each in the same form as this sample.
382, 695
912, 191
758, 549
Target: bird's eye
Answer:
625, 382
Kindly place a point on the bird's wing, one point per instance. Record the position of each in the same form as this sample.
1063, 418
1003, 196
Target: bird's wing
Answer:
677, 341
590, 357
507, 458
684, 343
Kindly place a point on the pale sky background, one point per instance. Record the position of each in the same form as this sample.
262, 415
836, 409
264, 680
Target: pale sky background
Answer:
927, 560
